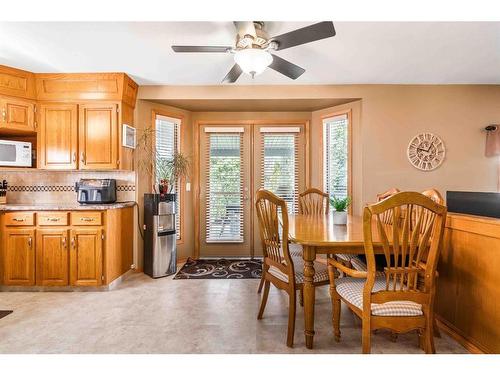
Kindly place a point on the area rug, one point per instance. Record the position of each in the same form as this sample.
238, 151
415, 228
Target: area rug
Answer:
4, 313
220, 269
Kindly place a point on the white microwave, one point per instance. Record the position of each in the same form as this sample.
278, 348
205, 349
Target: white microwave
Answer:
15, 154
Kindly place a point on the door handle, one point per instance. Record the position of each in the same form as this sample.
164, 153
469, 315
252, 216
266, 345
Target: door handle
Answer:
30, 241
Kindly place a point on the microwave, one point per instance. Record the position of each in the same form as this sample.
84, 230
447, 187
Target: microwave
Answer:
15, 154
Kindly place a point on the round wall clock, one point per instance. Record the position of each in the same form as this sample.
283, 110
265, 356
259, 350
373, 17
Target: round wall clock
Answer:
426, 151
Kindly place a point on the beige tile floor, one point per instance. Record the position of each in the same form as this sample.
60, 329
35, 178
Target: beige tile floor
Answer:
178, 316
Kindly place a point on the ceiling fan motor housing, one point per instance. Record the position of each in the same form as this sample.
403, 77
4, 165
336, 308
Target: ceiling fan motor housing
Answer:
259, 40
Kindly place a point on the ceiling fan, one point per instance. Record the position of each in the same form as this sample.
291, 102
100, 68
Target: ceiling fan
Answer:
253, 49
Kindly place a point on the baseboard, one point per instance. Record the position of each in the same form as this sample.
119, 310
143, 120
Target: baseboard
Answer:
458, 337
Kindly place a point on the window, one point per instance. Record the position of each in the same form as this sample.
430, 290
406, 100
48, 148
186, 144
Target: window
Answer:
167, 144
280, 166
336, 155
224, 218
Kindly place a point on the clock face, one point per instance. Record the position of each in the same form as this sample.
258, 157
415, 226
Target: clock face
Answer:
426, 151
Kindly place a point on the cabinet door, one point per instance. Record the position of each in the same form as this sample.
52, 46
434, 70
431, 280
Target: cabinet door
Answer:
98, 136
18, 114
19, 256
58, 136
86, 257
52, 257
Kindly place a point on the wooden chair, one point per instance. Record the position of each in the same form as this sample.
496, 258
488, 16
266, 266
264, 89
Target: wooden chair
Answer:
397, 301
279, 267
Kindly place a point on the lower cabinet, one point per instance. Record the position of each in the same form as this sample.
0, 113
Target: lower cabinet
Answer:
86, 257
19, 256
52, 257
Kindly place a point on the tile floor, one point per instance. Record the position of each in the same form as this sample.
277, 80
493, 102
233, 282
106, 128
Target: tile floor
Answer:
178, 316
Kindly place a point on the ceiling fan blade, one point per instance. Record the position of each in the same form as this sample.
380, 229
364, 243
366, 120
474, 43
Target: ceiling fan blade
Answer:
233, 74
222, 49
245, 28
305, 35
286, 68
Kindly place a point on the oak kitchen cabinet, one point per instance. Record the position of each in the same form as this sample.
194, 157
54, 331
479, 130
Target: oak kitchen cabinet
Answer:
79, 136
66, 248
17, 114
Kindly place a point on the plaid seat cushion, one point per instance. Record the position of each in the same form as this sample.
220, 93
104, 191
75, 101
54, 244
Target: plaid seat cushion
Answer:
320, 275
346, 257
351, 290
295, 250
359, 265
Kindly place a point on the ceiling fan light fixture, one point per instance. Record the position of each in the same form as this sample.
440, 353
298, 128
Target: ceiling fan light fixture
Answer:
253, 61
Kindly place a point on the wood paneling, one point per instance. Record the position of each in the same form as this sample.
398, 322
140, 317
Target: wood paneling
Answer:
52, 257
58, 136
19, 256
98, 136
16, 82
126, 155
468, 288
86, 257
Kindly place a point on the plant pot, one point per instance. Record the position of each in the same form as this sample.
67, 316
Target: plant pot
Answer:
340, 218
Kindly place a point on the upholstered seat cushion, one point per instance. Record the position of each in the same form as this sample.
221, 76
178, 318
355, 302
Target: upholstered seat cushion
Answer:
351, 289
295, 250
321, 271
359, 265
346, 257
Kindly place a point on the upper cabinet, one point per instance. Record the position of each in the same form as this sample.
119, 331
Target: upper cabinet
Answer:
79, 119
98, 136
58, 136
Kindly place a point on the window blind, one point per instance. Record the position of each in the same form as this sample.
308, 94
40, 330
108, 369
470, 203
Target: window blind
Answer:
335, 174
280, 166
167, 144
224, 205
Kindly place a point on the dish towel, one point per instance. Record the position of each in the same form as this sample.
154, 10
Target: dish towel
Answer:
493, 142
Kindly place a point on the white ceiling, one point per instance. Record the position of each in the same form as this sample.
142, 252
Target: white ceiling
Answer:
361, 52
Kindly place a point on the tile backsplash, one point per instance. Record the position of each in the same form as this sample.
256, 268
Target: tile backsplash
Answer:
43, 186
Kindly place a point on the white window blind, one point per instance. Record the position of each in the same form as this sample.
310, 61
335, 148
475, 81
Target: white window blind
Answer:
167, 144
335, 174
224, 211
280, 166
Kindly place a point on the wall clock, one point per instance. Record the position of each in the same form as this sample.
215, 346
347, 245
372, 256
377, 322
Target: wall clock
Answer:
426, 151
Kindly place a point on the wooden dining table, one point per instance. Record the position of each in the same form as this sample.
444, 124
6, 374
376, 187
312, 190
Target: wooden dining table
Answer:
319, 235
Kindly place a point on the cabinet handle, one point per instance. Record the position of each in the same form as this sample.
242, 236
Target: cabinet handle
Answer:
82, 157
4, 114
74, 157
30, 241
18, 219
86, 219
73, 242
53, 219
64, 241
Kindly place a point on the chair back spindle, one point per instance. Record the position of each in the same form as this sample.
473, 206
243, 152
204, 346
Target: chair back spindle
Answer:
313, 202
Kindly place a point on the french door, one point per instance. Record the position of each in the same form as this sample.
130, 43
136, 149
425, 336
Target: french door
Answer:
236, 161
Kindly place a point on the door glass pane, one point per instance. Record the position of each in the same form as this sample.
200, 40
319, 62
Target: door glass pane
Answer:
224, 218
279, 172
336, 156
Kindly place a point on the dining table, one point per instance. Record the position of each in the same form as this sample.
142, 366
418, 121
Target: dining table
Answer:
319, 235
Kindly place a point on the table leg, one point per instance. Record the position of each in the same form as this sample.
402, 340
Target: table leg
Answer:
309, 255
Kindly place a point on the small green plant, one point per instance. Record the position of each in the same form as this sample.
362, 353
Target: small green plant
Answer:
340, 204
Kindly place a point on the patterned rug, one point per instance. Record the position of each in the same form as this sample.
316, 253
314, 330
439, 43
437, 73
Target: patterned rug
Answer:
220, 269
4, 313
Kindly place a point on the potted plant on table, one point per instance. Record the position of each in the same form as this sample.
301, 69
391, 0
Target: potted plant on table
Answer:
340, 206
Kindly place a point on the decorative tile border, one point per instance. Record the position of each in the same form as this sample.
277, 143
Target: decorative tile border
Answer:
58, 188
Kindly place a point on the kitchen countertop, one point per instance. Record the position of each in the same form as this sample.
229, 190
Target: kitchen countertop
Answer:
64, 206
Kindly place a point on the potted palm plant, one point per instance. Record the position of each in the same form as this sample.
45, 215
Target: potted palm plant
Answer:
164, 170
340, 206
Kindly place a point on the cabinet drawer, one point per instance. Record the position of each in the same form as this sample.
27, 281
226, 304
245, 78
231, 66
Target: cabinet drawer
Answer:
52, 218
19, 218
86, 218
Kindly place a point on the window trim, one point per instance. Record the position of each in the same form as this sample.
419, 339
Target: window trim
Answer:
154, 114
348, 114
